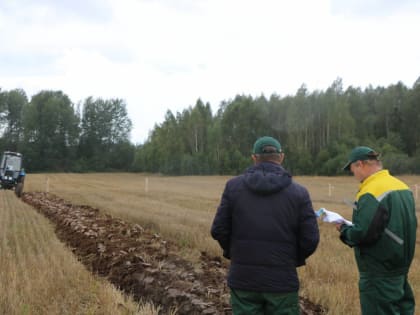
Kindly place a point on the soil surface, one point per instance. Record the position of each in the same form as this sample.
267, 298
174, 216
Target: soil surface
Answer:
140, 262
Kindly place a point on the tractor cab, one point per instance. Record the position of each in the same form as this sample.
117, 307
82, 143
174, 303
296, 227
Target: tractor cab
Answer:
12, 175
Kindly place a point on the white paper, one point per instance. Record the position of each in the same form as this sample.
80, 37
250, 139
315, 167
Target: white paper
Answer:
331, 217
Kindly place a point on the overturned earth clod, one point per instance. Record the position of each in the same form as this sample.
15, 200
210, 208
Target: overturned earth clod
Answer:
140, 262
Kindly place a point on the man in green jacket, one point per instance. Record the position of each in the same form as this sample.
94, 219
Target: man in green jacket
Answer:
383, 236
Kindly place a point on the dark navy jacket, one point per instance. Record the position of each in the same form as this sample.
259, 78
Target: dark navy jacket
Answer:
266, 226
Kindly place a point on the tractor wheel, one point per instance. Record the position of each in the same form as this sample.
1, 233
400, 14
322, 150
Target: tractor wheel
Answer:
19, 189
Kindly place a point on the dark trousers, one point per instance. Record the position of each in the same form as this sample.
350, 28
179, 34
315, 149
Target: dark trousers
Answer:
386, 295
260, 303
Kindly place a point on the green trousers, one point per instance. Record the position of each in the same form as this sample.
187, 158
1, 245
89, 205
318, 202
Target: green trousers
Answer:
386, 295
259, 303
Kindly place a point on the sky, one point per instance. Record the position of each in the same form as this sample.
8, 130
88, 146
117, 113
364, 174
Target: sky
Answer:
160, 55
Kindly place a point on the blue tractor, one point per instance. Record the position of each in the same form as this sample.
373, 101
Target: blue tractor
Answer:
12, 175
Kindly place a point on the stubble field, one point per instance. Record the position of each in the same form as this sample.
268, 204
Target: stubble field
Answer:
181, 209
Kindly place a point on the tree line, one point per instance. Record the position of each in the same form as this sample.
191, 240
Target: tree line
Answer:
53, 134
317, 130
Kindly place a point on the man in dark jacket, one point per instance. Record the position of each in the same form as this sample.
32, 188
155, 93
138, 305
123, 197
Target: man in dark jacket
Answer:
266, 226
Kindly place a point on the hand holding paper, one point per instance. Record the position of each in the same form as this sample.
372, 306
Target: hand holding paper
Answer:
331, 217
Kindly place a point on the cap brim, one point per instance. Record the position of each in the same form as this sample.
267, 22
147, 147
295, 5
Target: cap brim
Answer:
347, 166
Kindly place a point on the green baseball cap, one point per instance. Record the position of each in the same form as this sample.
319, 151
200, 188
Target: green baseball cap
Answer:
266, 141
360, 154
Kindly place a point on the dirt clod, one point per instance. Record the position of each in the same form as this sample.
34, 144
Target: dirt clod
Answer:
140, 262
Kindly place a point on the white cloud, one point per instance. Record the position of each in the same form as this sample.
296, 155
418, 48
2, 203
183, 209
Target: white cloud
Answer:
161, 54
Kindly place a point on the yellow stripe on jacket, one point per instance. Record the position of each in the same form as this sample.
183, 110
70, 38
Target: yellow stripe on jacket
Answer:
380, 184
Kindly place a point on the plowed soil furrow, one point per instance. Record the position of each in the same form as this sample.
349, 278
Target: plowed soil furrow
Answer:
140, 262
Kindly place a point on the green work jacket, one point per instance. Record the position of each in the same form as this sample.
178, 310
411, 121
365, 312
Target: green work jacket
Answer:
383, 233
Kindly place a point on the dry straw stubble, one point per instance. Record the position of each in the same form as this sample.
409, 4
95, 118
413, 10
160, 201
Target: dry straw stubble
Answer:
40, 276
182, 208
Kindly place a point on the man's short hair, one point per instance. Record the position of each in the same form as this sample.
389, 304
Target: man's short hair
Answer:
268, 156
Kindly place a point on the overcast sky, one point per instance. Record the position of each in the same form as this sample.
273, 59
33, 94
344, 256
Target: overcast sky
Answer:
165, 54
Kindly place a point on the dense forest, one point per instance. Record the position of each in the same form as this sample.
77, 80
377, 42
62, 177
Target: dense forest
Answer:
317, 130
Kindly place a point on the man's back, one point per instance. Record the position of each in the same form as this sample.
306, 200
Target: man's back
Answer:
271, 231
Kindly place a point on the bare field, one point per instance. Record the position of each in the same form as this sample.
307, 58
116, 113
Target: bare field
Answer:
182, 209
